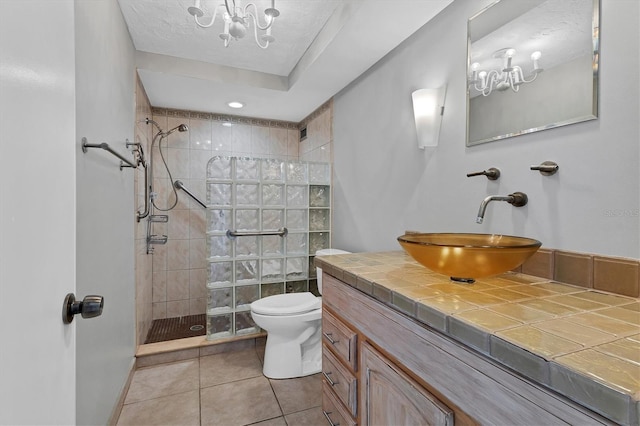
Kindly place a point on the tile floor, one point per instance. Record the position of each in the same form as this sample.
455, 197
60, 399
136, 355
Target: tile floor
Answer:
222, 389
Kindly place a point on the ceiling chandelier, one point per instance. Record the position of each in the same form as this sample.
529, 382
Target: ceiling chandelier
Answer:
237, 20
509, 77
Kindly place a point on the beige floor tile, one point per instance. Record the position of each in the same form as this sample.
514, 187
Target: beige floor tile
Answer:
278, 421
181, 409
163, 380
239, 403
310, 417
229, 367
298, 394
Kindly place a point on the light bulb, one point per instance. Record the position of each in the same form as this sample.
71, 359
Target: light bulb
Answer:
536, 55
510, 53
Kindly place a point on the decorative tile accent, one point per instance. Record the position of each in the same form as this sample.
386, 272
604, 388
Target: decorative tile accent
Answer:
617, 276
540, 264
573, 268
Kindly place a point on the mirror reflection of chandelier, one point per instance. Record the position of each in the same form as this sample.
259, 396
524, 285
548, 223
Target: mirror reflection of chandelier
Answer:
237, 20
509, 77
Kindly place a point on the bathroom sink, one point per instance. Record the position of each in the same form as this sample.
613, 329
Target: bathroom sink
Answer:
465, 257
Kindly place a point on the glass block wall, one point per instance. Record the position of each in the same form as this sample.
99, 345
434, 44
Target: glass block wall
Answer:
252, 194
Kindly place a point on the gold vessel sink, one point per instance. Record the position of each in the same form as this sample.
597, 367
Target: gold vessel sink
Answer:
465, 257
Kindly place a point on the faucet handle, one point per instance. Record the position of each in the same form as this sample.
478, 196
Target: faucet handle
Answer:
491, 174
546, 168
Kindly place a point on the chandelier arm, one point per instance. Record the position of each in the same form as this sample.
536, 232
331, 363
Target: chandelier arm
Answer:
492, 76
226, 4
256, 21
513, 83
215, 13
255, 32
535, 75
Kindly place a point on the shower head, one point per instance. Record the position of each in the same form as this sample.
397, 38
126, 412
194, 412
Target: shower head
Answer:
180, 128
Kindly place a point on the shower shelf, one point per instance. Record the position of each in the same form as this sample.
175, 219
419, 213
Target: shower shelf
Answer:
106, 147
159, 218
157, 239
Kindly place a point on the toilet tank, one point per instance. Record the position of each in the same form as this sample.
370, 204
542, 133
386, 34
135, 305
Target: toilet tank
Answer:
326, 252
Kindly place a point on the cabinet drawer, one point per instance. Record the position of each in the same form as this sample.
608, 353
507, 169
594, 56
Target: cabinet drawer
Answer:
340, 338
343, 383
333, 410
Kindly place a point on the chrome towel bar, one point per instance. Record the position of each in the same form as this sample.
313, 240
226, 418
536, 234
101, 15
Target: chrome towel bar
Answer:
178, 184
282, 232
107, 148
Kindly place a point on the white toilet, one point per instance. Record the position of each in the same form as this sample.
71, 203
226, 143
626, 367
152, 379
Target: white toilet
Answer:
293, 325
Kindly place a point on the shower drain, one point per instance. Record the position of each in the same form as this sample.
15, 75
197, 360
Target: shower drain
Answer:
197, 327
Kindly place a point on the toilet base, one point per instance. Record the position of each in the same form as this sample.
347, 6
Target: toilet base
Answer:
286, 359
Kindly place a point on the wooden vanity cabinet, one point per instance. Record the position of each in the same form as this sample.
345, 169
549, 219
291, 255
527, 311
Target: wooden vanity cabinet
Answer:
404, 372
391, 397
339, 367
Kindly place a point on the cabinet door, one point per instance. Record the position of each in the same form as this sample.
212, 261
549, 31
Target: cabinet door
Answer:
390, 397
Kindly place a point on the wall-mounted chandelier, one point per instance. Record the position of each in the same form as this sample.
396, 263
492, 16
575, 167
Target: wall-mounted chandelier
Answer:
238, 19
509, 77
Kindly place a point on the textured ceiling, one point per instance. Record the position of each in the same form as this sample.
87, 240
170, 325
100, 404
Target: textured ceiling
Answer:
321, 46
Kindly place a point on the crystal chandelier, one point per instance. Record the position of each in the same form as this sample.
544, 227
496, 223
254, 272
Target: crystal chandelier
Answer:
238, 19
509, 77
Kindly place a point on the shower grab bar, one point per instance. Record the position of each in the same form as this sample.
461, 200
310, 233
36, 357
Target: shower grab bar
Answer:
180, 185
107, 148
282, 232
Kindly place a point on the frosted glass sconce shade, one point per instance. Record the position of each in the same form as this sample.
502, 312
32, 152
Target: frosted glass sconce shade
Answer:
428, 107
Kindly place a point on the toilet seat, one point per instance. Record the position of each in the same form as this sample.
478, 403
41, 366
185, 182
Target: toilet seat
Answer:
287, 304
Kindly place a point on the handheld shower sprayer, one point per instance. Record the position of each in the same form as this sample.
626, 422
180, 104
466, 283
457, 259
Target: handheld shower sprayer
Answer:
181, 128
160, 135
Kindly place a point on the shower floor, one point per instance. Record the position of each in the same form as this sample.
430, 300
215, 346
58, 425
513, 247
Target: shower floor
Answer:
177, 328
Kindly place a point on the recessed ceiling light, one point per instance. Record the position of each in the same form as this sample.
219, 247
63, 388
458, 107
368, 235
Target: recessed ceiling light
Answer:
235, 104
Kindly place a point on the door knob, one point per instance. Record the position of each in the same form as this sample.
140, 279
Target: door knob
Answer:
90, 307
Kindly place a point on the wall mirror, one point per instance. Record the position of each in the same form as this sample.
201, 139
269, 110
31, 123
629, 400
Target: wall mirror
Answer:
532, 65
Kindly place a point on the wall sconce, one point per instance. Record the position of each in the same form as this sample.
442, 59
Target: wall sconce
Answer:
428, 107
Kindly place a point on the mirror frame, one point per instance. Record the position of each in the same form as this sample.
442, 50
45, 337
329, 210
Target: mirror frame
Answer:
595, 28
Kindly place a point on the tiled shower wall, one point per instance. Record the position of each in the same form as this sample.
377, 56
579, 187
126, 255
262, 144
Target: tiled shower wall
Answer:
179, 267
142, 134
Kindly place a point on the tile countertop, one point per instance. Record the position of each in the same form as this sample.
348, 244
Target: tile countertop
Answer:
582, 343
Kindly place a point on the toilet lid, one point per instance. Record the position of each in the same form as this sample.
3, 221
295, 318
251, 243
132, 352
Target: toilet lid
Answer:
286, 304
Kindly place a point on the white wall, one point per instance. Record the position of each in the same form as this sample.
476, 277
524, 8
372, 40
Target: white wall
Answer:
385, 185
37, 212
105, 213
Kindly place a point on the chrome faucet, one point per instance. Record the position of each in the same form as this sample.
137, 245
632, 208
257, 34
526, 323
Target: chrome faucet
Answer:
517, 199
